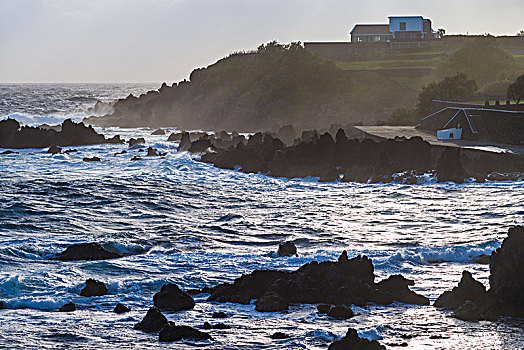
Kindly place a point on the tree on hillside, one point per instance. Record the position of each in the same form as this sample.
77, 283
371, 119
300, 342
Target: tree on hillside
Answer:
441, 32
521, 33
451, 88
516, 90
482, 59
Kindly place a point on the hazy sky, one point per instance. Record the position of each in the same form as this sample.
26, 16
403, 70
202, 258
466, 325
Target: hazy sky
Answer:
164, 40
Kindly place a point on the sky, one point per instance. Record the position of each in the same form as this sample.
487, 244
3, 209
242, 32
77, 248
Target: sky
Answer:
164, 40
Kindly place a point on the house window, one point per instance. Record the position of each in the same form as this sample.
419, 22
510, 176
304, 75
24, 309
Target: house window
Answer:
402, 26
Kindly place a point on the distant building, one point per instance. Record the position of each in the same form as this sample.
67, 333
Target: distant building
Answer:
400, 28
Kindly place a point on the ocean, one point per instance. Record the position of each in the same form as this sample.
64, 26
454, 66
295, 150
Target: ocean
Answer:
182, 221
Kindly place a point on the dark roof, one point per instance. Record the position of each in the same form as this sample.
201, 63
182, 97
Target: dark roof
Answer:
371, 29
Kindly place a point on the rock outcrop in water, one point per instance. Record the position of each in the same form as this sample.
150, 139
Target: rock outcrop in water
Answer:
86, 251
471, 301
170, 332
93, 288
12, 135
173, 298
351, 341
344, 282
355, 160
153, 321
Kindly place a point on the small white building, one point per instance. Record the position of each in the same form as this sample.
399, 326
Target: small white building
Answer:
449, 134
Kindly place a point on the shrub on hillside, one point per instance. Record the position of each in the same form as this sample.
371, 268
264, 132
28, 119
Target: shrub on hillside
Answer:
482, 59
515, 90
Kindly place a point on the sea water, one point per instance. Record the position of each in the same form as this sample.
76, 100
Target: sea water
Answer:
182, 221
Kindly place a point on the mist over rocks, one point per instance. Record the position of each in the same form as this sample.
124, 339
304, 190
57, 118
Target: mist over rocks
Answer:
13, 135
275, 85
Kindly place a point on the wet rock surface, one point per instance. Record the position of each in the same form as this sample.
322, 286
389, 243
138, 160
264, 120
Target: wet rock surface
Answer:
153, 321
86, 251
121, 308
93, 288
171, 333
68, 307
287, 249
13, 135
345, 282
351, 341
173, 298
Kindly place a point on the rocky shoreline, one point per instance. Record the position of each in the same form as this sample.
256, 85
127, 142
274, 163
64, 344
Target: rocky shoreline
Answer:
335, 286
349, 159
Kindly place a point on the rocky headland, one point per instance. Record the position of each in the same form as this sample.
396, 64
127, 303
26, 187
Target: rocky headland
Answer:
259, 90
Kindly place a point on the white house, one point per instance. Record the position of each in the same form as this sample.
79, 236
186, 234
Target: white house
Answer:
400, 28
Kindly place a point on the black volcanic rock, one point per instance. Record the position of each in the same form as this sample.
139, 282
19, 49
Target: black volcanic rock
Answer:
173, 298
271, 302
153, 321
12, 135
398, 286
219, 314
86, 251
185, 142
449, 166
54, 149
138, 141
68, 307
347, 281
92, 159
467, 289
93, 288
175, 136
121, 308
340, 311
158, 132
279, 335
287, 249
507, 273
351, 341
173, 333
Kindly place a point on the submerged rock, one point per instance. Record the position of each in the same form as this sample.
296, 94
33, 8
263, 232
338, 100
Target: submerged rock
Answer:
86, 251
92, 159
279, 335
467, 289
287, 249
173, 298
68, 307
219, 314
153, 321
93, 288
121, 308
351, 341
173, 333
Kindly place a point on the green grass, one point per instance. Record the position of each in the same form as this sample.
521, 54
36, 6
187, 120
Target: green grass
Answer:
390, 64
